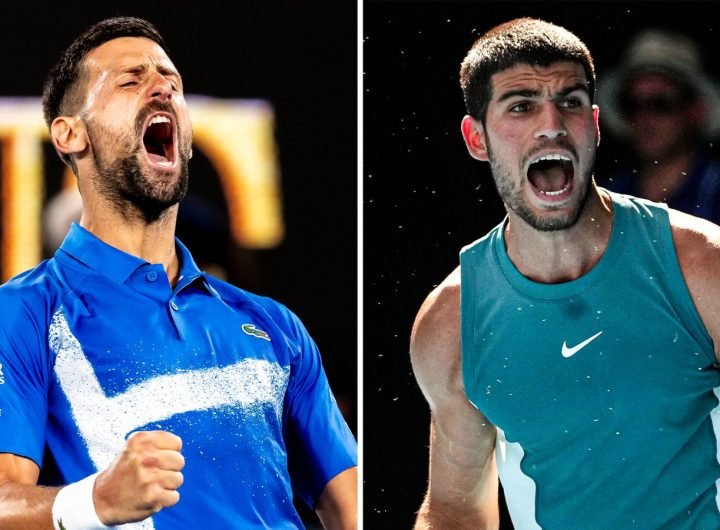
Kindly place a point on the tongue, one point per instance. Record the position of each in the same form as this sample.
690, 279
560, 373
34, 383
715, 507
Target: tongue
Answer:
158, 159
548, 177
155, 150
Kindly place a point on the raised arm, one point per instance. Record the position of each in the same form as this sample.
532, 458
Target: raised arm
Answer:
463, 484
697, 243
142, 480
22, 503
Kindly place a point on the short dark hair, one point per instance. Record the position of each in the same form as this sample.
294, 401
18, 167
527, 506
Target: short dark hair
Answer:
62, 90
522, 40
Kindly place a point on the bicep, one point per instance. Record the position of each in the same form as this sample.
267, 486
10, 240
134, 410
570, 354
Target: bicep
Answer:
697, 244
337, 506
23, 504
18, 469
25, 372
463, 476
319, 441
23, 402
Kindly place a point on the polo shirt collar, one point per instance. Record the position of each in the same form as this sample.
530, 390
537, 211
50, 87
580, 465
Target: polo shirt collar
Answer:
115, 264
189, 271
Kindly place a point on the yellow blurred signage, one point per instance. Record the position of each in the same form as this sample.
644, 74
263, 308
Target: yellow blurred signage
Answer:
237, 136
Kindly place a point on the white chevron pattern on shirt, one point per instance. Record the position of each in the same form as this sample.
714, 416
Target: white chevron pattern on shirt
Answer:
104, 422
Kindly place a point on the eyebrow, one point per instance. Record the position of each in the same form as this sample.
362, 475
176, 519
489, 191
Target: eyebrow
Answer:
528, 93
142, 68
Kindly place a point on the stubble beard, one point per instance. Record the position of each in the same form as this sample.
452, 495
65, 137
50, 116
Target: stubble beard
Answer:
511, 193
132, 189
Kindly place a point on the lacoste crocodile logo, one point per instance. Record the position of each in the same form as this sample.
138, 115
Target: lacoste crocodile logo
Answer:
250, 329
569, 352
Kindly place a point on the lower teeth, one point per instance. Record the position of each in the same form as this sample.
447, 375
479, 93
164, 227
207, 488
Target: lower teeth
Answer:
554, 193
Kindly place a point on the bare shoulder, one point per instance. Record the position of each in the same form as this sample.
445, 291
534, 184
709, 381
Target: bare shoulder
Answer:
693, 234
697, 243
435, 342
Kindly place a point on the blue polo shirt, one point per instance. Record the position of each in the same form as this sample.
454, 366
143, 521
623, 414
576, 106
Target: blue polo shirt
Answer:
96, 344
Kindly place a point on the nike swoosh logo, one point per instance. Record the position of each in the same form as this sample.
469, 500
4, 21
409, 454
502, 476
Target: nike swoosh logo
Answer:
569, 352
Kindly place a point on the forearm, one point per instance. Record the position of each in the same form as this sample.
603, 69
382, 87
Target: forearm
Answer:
24, 507
434, 515
463, 498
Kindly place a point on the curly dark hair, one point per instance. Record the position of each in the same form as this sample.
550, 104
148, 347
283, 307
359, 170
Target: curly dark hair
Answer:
522, 40
63, 92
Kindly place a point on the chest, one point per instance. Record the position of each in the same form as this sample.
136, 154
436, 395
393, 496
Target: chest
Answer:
128, 362
539, 369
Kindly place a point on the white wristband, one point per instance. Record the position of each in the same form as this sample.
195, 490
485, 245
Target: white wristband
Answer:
74, 508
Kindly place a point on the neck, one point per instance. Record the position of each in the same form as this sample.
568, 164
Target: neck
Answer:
562, 255
151, 241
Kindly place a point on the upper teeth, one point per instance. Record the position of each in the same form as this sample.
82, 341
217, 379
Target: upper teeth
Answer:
552, 157
159, 119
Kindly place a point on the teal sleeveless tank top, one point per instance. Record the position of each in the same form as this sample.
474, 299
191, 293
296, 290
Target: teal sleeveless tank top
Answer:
604, 389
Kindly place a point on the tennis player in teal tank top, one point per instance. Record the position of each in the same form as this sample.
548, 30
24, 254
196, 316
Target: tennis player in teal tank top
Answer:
574, 351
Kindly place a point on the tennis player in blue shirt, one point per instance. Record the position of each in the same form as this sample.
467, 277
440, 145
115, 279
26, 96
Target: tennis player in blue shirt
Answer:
165, 398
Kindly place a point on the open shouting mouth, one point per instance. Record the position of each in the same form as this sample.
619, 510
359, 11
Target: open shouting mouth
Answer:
160, 140
551, 177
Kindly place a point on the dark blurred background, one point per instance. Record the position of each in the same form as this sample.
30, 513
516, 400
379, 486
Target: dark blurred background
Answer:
424, 197
301, 57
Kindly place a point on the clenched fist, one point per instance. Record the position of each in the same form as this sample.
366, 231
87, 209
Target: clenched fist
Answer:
142, 480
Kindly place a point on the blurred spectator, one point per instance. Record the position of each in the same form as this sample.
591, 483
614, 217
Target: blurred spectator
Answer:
61, 210
662, 106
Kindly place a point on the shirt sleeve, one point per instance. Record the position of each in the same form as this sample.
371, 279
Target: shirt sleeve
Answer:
23, 374
319, 442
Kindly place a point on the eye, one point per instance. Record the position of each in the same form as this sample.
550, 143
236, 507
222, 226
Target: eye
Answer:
520, 107
571, 102
128, 83
575, 100
176, 83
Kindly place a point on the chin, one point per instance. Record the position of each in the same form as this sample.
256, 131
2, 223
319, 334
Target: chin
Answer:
147, 192
551, 218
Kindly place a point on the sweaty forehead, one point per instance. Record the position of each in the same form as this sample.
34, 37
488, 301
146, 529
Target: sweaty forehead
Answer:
534, 78
127, 52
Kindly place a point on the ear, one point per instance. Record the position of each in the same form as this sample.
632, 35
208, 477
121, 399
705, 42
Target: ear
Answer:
474, 135
68, 135
596, 119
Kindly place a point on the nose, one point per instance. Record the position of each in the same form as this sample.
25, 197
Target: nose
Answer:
551, 123
159, 88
